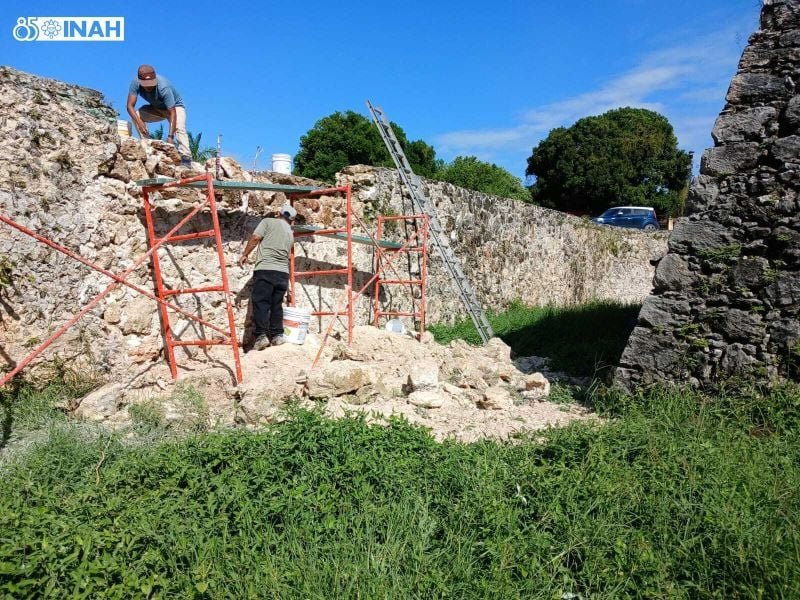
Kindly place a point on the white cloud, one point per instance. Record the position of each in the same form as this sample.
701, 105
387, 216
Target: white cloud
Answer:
686, 83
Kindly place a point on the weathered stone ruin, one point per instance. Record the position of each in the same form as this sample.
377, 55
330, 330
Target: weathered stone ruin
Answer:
66, 174
727, 294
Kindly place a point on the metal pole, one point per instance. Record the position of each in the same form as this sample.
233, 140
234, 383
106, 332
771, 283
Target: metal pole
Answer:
219, 154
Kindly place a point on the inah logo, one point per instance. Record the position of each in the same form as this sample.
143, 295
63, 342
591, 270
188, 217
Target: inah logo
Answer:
70, 29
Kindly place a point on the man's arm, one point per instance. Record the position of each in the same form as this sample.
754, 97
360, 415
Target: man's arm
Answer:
254, 241
137, 120
173, 119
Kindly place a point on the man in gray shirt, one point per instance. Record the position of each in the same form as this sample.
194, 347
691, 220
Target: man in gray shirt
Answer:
273, 238
164, 102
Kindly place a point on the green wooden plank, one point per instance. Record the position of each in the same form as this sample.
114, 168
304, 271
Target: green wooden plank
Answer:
234, 185
358, 239
252, 185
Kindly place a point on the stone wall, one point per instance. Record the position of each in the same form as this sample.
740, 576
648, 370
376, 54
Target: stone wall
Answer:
516, 251
727, 294
66, 174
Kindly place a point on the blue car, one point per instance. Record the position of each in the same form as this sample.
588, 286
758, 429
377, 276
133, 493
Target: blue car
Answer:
638, 217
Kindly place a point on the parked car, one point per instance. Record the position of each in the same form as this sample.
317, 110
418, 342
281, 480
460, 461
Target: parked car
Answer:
639, 217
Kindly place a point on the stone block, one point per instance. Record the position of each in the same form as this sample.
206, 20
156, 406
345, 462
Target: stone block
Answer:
730, 159
750, 88
742, 326
423, 377
426, 399
664, 312
786, 150
780, 14
749, 271
673, 273
337, 378
746, 125
699, 235
495, 398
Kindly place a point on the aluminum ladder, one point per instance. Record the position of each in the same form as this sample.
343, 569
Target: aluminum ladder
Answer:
421, 202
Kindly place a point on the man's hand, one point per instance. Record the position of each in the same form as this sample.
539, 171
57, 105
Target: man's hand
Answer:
242, 260
143, 131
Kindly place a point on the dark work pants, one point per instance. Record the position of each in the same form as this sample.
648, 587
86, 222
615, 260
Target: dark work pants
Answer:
269, 287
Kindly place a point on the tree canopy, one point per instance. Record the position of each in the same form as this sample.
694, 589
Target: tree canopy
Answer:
473, 174
627, 156
350, 138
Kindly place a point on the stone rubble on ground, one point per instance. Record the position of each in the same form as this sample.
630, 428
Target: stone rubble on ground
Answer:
428, 384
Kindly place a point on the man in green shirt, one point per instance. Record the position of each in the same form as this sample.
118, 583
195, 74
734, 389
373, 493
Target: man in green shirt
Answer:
273, 239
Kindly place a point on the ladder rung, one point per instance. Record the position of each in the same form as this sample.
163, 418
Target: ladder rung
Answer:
400, 281
323, 272
187, 236
213, 288
328, 313
203, 343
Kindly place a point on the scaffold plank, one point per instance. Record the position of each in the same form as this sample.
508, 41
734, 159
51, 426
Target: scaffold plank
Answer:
232, 185
358, 239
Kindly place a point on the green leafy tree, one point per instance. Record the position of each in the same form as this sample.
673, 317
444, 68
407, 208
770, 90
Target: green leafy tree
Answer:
627, 156
470, 173
199, 155
158, 134
349, 138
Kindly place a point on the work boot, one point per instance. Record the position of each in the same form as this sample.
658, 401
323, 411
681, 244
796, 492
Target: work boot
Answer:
277, 340
261, 342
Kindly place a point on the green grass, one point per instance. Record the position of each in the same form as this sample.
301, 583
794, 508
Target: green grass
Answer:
681, 496
582, 340
27, 407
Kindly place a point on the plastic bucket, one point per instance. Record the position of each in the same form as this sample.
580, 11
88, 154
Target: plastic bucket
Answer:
123, 128
282, 163
295, 324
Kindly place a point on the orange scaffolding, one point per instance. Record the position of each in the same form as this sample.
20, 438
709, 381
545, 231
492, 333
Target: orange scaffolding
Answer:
227, 336
155, 244
346, 233
422, 249
381, 265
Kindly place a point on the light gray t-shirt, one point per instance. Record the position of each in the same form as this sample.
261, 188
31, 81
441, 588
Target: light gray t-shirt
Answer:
272, 254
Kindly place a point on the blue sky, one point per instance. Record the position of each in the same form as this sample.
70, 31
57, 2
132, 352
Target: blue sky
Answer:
488, 79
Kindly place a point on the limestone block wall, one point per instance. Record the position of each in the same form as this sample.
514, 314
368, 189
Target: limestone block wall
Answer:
727, 294
66, 174
516, 251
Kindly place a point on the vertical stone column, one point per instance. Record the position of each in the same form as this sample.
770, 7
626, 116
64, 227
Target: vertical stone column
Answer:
727, 294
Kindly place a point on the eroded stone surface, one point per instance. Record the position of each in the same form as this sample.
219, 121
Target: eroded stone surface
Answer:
727, 295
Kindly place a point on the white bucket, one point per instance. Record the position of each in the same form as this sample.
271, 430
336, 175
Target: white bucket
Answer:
295, 324
123, 128
395, 326
282, 163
